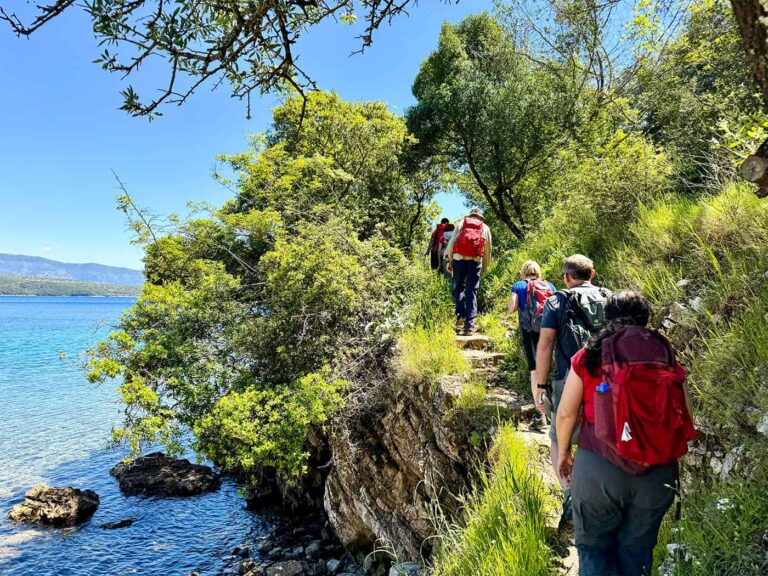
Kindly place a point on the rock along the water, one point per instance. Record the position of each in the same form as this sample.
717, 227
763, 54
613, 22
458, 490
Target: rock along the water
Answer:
158, 475
119, 524
55, 506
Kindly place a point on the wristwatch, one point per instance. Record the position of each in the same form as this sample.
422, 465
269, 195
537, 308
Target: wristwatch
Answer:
542, 386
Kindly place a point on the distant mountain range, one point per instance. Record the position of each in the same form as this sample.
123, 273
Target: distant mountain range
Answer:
36, 267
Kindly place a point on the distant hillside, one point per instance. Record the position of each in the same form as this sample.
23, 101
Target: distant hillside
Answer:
27, 286
33, 266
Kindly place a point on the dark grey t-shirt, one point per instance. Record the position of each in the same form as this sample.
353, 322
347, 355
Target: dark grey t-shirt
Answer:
555, 315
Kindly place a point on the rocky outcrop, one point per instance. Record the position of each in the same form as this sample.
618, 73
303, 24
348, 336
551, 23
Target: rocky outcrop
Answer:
394, 463
159, 475
117, 525
55, 506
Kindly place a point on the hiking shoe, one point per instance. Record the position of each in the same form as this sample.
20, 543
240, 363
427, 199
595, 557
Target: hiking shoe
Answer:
470, 331
538, 422
459, 324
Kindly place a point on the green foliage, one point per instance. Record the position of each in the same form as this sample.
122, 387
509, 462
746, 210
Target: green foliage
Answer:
248, 431
33, 286
721, 530
492, 115
600, 193
426, 355
431, 306
502, 532
697, 94
342, 155
303, 274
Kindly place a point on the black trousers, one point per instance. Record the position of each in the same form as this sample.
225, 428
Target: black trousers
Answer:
529, 340
616, 515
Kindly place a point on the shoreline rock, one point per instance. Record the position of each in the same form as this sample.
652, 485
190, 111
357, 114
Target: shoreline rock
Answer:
119, 524
302, 544
159, 475
59, 507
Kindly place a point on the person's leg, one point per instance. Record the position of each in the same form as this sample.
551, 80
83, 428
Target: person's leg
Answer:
459, 278
599, 492
472, 283
651, 496
556, 392
527, 340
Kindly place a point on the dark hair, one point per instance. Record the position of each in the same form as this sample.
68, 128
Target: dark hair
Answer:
444, 221
449, 227
625, 308
578, 267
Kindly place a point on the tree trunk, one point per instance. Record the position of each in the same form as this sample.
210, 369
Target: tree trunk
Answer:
752, 19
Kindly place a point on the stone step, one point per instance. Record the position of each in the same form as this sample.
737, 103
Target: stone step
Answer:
482, 359
486, 374
474, 342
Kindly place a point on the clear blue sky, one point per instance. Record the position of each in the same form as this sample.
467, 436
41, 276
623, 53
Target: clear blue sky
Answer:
62, 134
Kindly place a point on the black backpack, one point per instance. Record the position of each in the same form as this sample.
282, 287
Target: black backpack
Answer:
585, 314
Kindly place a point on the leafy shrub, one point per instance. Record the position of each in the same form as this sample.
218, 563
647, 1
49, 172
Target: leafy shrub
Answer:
256, 429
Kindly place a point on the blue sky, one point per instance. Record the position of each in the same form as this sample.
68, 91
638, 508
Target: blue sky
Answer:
62, 134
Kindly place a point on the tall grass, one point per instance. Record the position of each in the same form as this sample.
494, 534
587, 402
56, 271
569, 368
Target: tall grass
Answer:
503, 530
427, 354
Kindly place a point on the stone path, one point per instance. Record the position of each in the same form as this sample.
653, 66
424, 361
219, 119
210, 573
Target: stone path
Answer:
484, 363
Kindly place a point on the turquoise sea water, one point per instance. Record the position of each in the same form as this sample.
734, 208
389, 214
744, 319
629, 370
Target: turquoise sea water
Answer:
54, 429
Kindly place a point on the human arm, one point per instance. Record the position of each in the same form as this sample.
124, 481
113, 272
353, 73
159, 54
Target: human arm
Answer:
512, 307
567, 416
543, 363
487, 248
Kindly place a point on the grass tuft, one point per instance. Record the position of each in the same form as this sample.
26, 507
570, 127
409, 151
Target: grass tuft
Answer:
428, 354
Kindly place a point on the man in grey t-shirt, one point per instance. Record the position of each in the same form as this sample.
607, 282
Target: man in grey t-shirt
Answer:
568, 318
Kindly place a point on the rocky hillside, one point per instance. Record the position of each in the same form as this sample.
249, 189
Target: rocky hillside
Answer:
394, 465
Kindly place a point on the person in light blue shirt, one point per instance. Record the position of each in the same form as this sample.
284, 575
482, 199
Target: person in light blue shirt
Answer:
530, 272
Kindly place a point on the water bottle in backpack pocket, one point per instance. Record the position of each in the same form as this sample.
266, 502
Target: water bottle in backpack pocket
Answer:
605, 421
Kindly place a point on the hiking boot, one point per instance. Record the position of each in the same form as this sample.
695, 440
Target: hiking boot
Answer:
459, 325
470, 331
538, 422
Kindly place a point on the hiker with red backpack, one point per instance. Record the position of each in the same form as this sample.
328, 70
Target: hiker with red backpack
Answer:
469, 256
636, 424
568, 320
528, 297
436, 246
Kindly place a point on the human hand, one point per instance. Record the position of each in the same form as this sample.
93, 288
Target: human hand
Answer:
565, 466
449, 267
538, 400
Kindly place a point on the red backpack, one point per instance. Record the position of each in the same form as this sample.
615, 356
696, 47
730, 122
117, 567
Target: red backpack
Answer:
470, 243
538, 293
640, 409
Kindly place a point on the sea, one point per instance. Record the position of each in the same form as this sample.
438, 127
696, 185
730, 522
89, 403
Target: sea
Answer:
55, 429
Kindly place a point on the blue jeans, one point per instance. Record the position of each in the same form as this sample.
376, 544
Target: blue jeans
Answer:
466, 275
